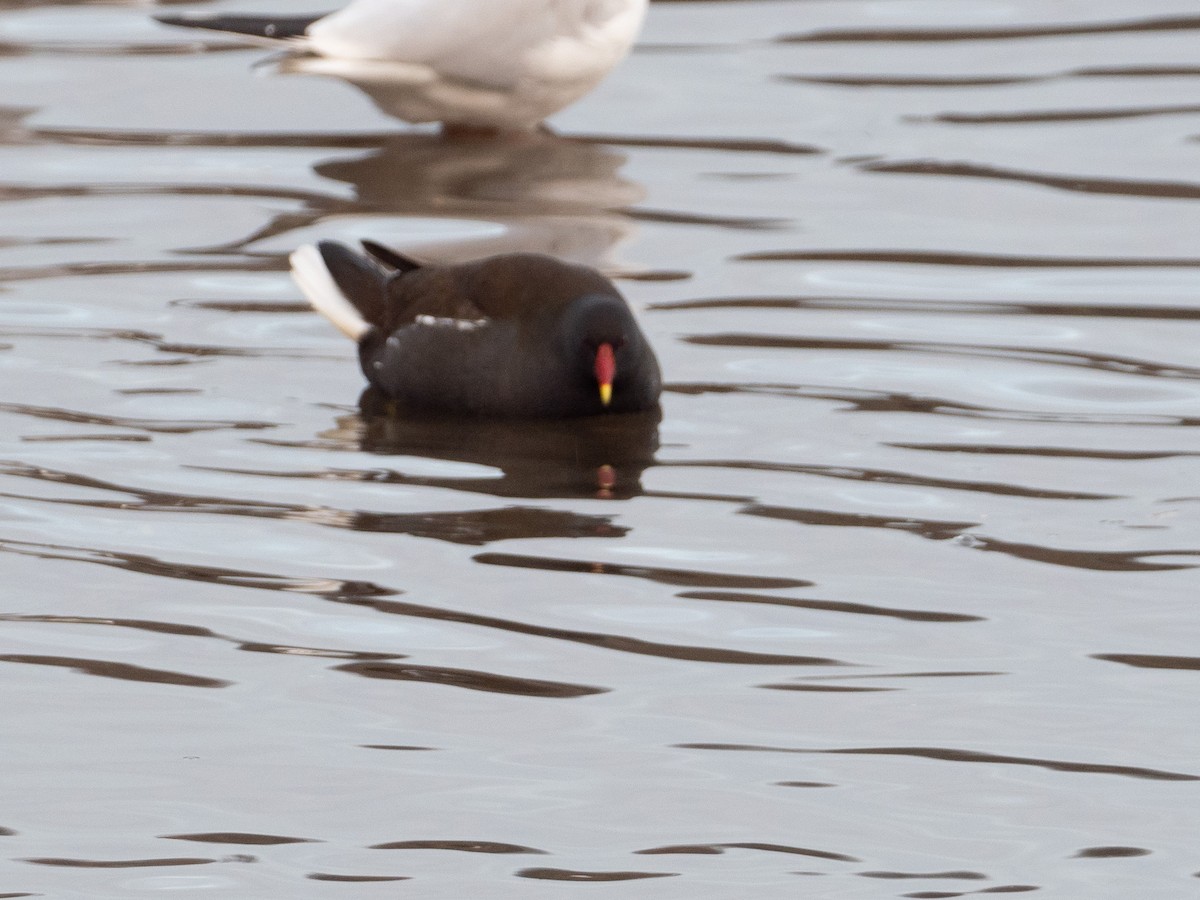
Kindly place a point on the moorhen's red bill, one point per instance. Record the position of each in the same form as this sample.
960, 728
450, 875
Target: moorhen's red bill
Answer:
515, 335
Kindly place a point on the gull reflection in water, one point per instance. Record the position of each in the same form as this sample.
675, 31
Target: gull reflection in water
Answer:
548, 194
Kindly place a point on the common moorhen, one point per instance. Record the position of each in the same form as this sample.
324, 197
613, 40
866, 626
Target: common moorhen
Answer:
514, 335
500, 64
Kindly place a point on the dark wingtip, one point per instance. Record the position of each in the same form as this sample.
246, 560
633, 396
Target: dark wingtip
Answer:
278, 27
389, 257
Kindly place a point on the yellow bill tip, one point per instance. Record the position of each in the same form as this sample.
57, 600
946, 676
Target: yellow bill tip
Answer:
606, 394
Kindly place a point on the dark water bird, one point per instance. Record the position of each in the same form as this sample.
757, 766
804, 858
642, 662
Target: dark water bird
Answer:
492, 64
514, 335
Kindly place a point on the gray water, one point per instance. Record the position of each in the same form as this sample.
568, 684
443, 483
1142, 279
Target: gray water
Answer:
897, 600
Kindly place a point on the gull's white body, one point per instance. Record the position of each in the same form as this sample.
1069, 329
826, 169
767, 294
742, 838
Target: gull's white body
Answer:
491, 63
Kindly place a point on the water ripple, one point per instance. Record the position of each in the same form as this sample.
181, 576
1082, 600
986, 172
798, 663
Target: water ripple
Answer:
476, 527
111, 864
173, 628
746, 845
1048, 452
472, 680
1096, 560
947, 754
859, 609
1017, 32
103, 668
885, 476
370, 595
153, 426
239, 837
1055, 309
547, 874
1123, 187
1148, 661
896, 401
460, 846
1052, 116
675, 577
985, 260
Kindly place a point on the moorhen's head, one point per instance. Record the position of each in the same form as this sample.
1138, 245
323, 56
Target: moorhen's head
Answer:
577, 316
602, 339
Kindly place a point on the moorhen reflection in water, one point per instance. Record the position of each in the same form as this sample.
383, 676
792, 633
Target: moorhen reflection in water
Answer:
589, 456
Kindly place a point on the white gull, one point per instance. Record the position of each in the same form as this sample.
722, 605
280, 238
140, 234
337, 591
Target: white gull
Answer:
492, 64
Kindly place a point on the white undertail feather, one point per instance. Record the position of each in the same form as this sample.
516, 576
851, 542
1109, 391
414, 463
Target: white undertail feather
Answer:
311, 274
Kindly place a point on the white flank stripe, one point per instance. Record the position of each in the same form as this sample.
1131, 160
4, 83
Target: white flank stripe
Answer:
447, 322
310, 273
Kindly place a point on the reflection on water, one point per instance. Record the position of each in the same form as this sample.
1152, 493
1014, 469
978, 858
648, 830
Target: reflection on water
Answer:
915, 532
554, 195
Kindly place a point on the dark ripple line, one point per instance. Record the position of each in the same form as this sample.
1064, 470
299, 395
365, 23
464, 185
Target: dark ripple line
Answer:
368, 594
173, 628
738, 223
158, 342
987, 260
675, 577
968, 81
111, 864
861, 609
826, 688
239, 837
154, 426
1125, 187
1049, 452
594, 639
149, 565
374, 140
885, 476
844, 677
948, 754
1094, 560
931, 529
114, 50
938, 307
882, 401
723, 145
122, 671
355, 879
188, 267
22, 192
1148, 661
1037, 117
1019, 32
915, 81
1111, 852
964, 875
496, 847
119, 138
706, 849
471, 680
549, 874
1124, 365
473, 527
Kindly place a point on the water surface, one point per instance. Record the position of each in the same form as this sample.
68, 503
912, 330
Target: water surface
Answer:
896, 600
